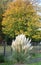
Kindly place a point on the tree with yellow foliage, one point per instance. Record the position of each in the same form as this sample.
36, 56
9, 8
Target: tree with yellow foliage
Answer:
3, 7
20, 17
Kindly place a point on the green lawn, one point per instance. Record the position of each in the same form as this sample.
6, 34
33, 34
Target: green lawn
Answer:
38, 63
37, 55
8, 49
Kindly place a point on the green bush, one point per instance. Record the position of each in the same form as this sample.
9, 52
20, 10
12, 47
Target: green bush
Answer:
2, 59
33, 54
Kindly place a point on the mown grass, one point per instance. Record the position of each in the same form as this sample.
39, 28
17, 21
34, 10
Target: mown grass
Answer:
38, 63
37, 55
7, 49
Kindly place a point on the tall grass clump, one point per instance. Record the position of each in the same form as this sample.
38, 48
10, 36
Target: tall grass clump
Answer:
21, 47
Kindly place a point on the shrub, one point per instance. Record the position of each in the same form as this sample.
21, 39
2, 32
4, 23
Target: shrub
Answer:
21, 49
2, 59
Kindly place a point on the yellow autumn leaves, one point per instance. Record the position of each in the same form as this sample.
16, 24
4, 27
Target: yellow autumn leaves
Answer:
20, 17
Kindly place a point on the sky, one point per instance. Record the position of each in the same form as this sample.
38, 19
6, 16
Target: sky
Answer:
37, 1
39, 4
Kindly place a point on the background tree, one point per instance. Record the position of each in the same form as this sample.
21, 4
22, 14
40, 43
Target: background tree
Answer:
3, 7
20, 17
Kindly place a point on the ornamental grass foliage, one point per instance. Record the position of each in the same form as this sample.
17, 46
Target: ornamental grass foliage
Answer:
21, 47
